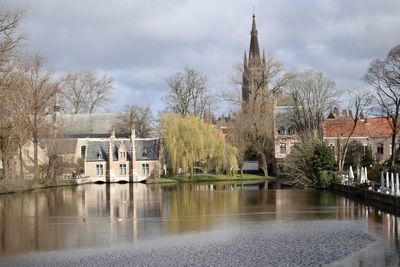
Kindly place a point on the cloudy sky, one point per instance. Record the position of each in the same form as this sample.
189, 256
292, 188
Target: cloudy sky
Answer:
140, 43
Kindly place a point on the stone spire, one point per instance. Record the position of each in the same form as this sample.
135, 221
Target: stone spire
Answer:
254, 52
245, 59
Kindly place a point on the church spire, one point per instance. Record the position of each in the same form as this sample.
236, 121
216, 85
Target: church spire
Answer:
254, 52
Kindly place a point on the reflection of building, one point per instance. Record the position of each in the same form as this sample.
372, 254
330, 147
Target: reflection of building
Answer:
372, 132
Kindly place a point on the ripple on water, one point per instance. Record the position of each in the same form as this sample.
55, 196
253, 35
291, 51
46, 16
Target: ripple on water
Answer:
303, 243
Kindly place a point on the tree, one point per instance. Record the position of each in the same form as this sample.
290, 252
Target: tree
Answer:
189, 142
141, 117
39, 92
253, 125
367, 159
384, 76
311, 95
253, 129
359, 102
323, 159
354, 155
9, 39
188, 94
270, 83
84, 92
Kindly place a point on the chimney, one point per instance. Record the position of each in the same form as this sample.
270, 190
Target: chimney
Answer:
133, 148
112, 137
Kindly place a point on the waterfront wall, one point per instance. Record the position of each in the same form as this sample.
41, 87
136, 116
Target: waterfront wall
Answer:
368, 195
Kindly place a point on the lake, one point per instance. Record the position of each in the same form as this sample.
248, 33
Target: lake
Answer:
221, 224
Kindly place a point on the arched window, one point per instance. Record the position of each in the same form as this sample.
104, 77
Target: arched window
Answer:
281, 130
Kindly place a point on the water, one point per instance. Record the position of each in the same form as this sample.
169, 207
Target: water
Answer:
193, 224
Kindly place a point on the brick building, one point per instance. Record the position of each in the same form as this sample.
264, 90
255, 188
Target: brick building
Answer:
373, 132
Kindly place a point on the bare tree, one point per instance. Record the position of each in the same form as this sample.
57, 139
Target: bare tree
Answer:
84, 92
253, 130
9, 37
359, 103
140, 117
39, 93
188, 94
311, 95
272, 80
384, 76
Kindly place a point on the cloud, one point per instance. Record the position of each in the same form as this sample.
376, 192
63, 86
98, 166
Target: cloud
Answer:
140, 43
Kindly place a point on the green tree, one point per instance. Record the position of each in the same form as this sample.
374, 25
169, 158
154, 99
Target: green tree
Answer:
354, 154
189, 142
322, 160
367, 159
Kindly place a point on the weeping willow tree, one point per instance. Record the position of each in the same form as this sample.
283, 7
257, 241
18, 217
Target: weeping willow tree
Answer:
190, 143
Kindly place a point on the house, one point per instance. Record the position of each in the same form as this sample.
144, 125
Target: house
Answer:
120, 159
375, 133
103, 149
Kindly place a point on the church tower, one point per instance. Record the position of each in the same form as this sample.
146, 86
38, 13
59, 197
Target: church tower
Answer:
253, 68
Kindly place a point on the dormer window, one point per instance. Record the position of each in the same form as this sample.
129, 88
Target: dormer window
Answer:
144, 153
281, 130
99, 155
122, 152
291, 130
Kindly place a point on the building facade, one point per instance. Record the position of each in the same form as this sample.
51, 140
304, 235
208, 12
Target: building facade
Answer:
375, 133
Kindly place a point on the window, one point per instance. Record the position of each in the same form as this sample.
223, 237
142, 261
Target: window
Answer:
291, 130
282, 148
144, 153
122, 154
99, 155
99, 169
379, 149
145, 169
281, 130
83, 151
122, 169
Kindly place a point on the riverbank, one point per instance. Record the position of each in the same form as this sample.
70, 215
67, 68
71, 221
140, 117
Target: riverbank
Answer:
15, 186
210, 178
379, 200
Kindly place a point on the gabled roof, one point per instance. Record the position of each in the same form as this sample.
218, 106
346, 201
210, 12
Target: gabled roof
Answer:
90, 125
146, 149
371, 127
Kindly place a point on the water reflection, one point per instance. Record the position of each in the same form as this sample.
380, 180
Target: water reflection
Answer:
102, 215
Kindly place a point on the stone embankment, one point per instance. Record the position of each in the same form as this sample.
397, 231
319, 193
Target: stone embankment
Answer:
380, 199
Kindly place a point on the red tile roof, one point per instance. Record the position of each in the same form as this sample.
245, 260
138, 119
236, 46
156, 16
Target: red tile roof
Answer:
371, 127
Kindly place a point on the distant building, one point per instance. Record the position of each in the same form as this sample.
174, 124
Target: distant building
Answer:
104, 149
375, 133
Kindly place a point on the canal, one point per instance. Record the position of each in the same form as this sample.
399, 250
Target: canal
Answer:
193, 225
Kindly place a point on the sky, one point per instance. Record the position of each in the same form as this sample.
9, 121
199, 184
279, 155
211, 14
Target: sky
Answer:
140, 43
